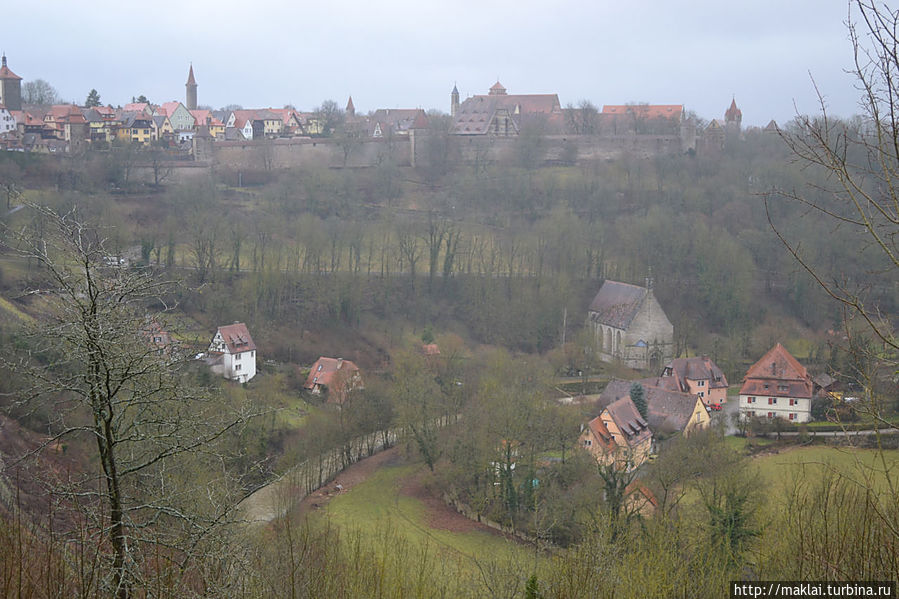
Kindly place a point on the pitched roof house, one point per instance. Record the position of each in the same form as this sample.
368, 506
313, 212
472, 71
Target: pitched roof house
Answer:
233, 352
501, 114
335, 376
395, 121
619, 435
699, 376
668, 412
777, 386
630, 326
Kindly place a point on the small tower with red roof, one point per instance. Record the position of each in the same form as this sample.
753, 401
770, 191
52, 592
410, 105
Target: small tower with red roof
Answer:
10, 87
733, 118
350, 108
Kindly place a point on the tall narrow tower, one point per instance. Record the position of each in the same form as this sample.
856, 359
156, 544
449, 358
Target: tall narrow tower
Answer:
733, 118
10, 87
350, 108
454, 101
191, 86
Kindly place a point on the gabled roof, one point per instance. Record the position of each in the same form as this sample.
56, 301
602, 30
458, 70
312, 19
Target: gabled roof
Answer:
325, 371
627, 418
617, 303
733, 113
697, 368
667, 411
237, 338
601, 434
136, 107
777, 373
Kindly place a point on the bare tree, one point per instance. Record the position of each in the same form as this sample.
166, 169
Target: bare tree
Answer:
96, 369
859, 163
39, 92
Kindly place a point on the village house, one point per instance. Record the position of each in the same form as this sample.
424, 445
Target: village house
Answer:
699, 376
232, 353
385, 122
619, 435
630, 326
668, 412
777, 386
334, 376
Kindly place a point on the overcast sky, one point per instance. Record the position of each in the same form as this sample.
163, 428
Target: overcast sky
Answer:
408, 54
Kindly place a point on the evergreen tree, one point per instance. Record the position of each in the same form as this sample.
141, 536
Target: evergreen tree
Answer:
93, 99
638, 396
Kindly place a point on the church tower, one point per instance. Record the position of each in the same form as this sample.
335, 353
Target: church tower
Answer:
350, 108
191, 86
10, 87
733, 118
454, 101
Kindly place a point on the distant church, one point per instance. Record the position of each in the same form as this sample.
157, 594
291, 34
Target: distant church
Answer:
630, 327
191, 86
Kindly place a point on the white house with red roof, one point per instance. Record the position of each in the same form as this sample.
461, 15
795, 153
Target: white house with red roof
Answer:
233, 353
777, 386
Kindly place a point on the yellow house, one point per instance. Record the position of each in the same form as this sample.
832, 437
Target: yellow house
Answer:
619, 435
161, 128
668, 412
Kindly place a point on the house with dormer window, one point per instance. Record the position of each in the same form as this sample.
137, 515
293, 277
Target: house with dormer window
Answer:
232, 353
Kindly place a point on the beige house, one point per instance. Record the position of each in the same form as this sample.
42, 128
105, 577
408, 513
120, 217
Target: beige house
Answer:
630, 326
667, 412
619, 435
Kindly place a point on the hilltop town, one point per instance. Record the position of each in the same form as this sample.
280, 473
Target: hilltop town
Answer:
186, 130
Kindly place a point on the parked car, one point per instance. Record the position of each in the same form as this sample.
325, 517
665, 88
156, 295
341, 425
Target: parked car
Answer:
715, 407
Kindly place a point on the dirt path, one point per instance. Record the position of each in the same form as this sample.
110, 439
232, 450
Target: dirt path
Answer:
438, 515
349, 478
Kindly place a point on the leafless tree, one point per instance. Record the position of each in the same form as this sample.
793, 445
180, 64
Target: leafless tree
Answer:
99, 373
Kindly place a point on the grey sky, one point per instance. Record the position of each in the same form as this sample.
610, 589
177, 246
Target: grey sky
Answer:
407, 54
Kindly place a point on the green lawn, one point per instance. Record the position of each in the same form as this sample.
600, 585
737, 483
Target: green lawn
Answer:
866, 466
377, 504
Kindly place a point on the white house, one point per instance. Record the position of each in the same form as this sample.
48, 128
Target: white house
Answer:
233, 353
7, 121
777, 386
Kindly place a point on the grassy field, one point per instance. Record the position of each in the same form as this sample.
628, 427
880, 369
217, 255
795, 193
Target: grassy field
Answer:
866, 466
378, 503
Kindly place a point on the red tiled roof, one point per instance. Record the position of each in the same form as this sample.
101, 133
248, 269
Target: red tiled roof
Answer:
777, 374
430, 349
628, 420
237, 338
667, 410
324, 372
601, 434
5, 73
733, 113
697, 368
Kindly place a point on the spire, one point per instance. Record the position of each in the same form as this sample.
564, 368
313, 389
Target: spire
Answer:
733, 113
191, 86
350, 108
4, 59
